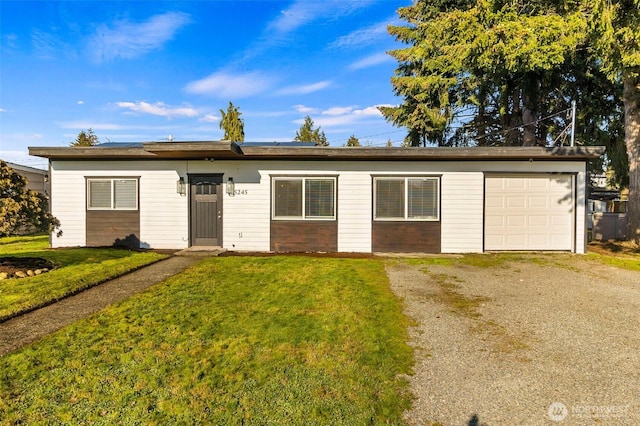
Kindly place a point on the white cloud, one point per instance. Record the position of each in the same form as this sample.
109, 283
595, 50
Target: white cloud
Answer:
302, 12
81, 102
305, 109
47, 45
128, 40
362, 37
370, 61
227, 85
298, 14
210, 118
158, 108
3, 110
337, 111
340, 116
304, 89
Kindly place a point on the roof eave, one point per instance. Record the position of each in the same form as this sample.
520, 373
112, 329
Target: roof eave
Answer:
422, 154
90, 153
232, 151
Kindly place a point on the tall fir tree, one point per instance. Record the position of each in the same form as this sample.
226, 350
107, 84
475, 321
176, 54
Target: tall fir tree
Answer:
232, 124
85, 138
309, 133
494, 61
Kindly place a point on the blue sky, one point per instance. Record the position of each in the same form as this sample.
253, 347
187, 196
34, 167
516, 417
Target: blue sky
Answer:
141, 71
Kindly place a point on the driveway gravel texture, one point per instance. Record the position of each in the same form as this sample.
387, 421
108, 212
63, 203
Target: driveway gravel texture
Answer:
542, 340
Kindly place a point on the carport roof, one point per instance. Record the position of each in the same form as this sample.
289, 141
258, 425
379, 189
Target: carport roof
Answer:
225, 150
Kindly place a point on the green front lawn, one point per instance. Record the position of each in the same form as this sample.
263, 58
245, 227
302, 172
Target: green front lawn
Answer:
232, 340
77, 269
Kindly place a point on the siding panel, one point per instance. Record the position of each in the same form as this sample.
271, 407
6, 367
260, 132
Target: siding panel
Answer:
113, 228
461, 212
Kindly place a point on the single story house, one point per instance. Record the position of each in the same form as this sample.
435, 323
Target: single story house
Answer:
36, 178
298, 198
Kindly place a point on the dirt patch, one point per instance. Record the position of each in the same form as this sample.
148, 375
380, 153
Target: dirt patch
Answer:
614, 248
12, 265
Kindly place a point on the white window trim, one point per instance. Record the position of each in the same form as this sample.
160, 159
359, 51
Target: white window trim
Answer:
405, 179
303, 179
112, 181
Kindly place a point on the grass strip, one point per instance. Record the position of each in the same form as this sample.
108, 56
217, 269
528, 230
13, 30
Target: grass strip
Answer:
232, 340
77, 269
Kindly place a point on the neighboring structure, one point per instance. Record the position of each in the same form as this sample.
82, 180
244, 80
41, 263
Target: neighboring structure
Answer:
607, 215
36, 178
173, 195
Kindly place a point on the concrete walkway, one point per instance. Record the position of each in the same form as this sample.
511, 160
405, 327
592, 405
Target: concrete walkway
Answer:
18, 332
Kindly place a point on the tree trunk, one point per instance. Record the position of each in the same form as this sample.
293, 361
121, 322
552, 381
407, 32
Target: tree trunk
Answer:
529, 117
631, 99
530, 90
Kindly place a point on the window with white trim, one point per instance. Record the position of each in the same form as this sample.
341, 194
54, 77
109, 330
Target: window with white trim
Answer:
406, 198
112, 194
304, 198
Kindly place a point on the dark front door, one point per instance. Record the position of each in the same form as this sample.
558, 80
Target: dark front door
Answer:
206, 210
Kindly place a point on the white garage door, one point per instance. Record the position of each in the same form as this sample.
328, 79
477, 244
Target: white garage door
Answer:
529, 212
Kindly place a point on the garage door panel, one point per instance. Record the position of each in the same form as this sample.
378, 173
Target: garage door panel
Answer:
496, 202
537, 202
515, 220
529, 212
538, 220
516, 202
515, 183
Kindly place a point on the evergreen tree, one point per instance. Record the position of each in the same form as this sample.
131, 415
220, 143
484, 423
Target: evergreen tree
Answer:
494, 61
86, 138
353, 141
232, 124
307, 133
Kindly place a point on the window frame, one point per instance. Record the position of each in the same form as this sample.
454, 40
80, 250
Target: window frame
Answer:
303, 180
405, 180
112, 195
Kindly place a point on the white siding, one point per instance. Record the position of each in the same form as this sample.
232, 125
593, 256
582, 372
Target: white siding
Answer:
246, 215
245, 220
462, 209
68, 205
163, 212
354, 212
164, 220
581, 212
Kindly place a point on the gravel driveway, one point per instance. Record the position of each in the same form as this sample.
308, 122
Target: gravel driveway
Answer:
548, 339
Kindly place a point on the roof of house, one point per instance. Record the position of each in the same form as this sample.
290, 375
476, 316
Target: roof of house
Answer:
226, 150
28, 169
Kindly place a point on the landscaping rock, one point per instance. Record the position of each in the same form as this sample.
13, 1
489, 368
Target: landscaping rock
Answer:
3, 275
26, 265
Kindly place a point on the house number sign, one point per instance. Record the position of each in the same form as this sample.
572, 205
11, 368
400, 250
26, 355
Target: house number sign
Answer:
241, 192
